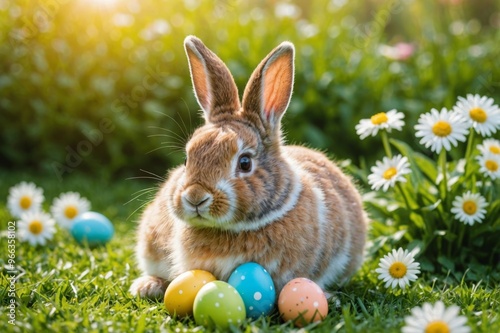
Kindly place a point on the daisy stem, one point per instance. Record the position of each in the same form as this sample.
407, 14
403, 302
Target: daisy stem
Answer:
405, 198
461, 234
385, 142
468, 161
469, 148
442, 161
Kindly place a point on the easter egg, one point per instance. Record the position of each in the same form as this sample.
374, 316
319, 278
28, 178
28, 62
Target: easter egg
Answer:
256, 288
180, 293
218, 303
302, 301
92, 227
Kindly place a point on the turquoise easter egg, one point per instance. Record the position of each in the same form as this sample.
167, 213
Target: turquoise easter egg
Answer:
93, 228
218, 303
256, 287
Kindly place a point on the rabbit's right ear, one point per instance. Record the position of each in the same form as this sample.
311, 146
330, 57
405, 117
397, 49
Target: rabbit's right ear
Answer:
269, 90
213, 84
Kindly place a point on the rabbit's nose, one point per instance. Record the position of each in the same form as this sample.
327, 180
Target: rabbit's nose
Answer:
196, 200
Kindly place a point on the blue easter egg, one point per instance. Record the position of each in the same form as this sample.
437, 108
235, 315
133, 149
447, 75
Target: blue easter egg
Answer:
92, 227
256, 287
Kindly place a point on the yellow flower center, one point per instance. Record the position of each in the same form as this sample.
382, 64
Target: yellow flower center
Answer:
25, 202
469, 207
70, 212
397, 270
379, 118
36, 227
389, 173
437, 326
495, 149
478, 114
491, 165
441, 128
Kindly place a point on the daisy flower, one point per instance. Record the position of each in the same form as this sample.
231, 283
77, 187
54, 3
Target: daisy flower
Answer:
489, 146
489, 165
385, 174
480, 113
36, 227
24, 197
469, 208
381, 121
440, 129
435, 319
398, 268
67, 207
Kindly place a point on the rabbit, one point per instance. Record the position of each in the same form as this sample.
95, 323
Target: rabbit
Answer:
243, 195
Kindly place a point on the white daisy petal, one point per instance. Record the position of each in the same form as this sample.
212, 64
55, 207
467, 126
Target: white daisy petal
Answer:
36, 228
450, 313
381, 121
388, 172
489, 165
489, 146
436, 318
395, 271
23, 198
469, 208
67, 207
480, 113
439, 129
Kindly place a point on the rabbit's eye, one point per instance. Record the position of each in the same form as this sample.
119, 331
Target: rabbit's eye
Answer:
245, 163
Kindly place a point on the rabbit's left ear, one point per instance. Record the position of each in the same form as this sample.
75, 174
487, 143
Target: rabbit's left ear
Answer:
269, 89
213, 84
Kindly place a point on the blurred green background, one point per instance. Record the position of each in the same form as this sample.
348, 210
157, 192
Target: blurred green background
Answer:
103, 87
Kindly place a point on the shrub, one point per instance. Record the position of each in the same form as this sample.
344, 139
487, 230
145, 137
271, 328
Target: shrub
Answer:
69, 66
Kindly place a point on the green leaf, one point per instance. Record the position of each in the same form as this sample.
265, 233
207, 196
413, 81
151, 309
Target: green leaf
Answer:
416, 176
446, 262
427, 166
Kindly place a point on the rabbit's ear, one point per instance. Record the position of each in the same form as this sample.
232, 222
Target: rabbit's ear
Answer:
269, 89
213, 84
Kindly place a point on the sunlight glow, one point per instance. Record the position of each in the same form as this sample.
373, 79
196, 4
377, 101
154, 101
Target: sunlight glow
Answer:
103, 3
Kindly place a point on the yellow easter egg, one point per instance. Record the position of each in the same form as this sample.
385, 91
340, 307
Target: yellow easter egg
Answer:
180, 293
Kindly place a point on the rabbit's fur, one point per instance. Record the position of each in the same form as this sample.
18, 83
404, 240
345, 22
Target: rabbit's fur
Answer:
243, 195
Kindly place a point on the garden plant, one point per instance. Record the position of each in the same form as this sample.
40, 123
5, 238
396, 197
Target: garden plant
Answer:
96, 106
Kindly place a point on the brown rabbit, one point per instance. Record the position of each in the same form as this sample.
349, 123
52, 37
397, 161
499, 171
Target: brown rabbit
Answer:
243, 195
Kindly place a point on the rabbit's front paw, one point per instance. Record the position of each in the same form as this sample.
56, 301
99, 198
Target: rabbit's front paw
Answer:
148, 286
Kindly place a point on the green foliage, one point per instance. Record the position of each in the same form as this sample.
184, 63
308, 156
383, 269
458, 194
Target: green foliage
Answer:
69, 66
105, 89
416, 214
65, 287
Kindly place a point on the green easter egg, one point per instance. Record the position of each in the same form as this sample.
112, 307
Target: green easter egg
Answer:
218, 303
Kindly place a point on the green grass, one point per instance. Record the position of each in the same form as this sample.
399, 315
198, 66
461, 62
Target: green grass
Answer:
65, 287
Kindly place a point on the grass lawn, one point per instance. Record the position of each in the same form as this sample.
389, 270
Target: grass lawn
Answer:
65, 287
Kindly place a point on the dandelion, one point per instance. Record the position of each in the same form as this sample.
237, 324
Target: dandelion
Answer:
480, 113
489, 146
435, 319
24, 197
469, 208
67, 207
440, 129
381, 121
489, 165
385, 174
36, 227
398, 268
